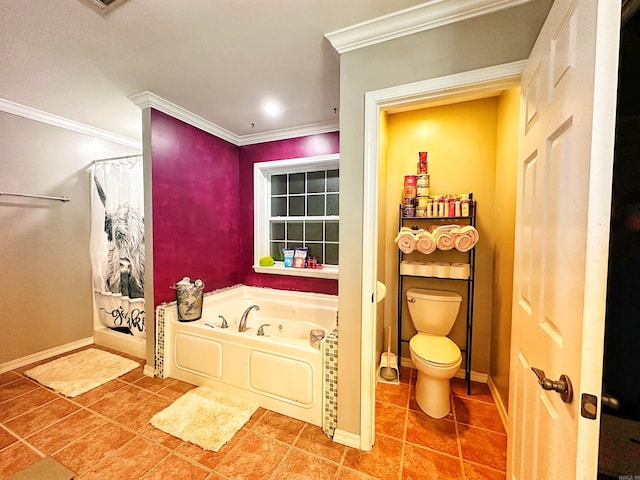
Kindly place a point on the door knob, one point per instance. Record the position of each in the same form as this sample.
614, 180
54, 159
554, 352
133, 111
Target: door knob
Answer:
562, 385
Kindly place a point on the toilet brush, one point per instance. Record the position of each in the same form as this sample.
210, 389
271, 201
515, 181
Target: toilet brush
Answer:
387, 372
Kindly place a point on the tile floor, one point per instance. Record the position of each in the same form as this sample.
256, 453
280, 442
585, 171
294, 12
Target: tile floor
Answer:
104, 434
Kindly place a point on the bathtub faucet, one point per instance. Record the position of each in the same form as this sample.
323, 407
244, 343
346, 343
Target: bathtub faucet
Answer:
242, 326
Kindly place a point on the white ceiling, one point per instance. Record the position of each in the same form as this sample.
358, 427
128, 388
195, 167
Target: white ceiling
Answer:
218, 59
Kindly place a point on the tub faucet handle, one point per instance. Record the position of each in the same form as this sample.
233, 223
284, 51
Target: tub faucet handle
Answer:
261, 329
224, 322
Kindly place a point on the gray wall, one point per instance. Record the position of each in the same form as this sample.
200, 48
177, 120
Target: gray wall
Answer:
45, 271
481, 42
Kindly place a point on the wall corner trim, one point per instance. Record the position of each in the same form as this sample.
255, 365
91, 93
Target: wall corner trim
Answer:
148, 99
346, 438
49, 118
426, 16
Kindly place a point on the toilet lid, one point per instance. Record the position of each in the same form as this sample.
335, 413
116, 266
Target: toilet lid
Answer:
435, 349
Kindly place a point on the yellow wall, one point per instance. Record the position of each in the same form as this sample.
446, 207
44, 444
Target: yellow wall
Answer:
461, 141
504, 224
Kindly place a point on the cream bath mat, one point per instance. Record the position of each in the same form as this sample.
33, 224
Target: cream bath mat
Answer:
204, 416
79, 372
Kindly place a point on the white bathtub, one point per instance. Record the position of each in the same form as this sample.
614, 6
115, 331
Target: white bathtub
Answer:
280, 370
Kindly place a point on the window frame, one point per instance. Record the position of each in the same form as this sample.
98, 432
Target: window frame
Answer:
262, 172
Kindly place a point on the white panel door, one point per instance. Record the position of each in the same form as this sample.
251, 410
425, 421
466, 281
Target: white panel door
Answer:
562, 236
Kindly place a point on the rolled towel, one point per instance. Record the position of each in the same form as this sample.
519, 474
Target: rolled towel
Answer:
442, 228
406, 240
465, 238
444, 240
425, 242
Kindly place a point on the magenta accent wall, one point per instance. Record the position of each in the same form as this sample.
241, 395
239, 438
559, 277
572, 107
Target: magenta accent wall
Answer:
309, 146
195, 207
203, 207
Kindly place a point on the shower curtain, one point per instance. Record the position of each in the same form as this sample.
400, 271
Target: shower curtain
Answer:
117, 244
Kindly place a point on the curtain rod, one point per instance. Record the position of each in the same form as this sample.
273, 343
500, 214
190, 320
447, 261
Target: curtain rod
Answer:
46, 197
112, 159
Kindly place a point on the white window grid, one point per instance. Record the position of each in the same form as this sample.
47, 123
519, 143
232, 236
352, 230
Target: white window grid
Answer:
263, 219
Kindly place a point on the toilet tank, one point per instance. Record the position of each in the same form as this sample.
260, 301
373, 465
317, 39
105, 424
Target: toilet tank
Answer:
433, 311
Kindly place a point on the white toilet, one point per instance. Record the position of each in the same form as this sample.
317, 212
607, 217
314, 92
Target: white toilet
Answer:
437, 358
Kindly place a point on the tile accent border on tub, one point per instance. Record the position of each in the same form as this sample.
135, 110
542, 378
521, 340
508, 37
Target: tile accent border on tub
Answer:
159, 357
330, 377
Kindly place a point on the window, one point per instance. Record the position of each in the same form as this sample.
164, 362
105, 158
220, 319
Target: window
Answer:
296, 204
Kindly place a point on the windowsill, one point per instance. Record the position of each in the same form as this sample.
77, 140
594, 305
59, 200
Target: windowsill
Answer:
279, 269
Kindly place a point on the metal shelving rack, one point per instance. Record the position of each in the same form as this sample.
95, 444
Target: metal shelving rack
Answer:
471, 255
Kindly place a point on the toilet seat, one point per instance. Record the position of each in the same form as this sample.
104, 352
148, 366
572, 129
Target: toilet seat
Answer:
435, 350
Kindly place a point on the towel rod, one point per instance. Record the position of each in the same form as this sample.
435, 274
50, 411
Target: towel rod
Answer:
113, 159
46, 197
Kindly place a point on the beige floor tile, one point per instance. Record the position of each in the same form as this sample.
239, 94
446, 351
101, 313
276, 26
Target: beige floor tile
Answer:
397, 395
131, 461
478, 414
13, 407
383, 461
280, 427
15, 458
65, 432
436, 434
301, 465
313, 440
14, 389
41, 417
424, 464
391, 420
483, 447
479, 472
255, 456
84, 453
175, 467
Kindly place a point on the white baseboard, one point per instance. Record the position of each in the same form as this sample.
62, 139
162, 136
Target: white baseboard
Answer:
149, 371
121, 342
475, 376
502, 411
43, 355
346, 438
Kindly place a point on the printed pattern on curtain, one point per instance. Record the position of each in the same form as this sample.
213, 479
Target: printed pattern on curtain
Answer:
117, 244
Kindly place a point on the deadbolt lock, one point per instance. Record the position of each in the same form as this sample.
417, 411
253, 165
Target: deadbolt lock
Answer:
562, 385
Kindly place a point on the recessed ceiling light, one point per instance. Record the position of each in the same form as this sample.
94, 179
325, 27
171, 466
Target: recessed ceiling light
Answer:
272, 109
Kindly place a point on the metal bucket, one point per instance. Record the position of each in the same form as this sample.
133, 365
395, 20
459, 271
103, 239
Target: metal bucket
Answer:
189, 300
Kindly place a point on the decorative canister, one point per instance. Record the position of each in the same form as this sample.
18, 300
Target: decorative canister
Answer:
423, 166
422, 180
422, 191
410, 180
409, 192
422, 202
421, 212
408, 201
409, 211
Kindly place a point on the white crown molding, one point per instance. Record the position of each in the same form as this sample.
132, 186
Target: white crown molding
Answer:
148, 99
286, 133
426, 16
61, 122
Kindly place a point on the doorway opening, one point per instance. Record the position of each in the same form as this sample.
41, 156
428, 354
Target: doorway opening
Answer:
620, 421
441, 91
